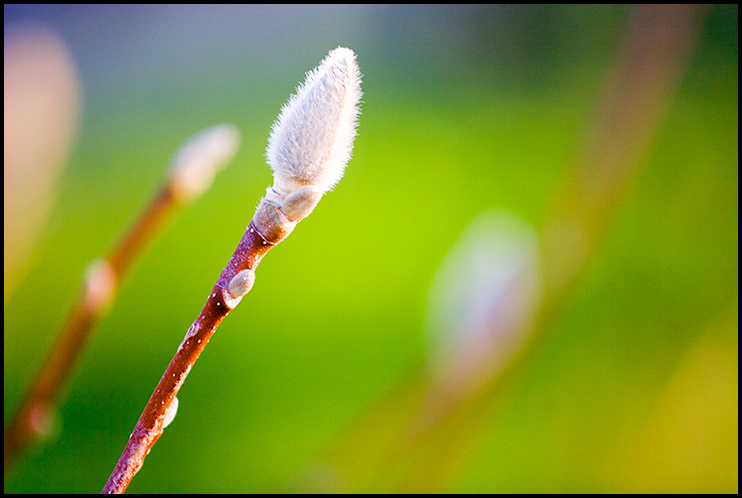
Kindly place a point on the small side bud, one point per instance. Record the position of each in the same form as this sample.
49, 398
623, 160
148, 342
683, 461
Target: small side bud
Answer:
241, 283
172, 410
238, 287
44, 419
99, 286
300, 203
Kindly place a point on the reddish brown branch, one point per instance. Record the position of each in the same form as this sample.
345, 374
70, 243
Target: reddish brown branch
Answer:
309, 147
251, 249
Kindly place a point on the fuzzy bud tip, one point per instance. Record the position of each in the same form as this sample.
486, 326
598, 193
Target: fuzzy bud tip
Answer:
312, 139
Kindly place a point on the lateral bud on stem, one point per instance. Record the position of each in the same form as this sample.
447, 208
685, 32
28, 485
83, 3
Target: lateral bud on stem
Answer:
99, 286
169, 416
238, 287
300, 203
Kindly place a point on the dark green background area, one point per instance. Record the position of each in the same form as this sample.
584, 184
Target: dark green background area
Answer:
464, 109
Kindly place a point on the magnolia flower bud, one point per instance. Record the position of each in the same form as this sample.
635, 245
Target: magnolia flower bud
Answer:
198, 160
312, 139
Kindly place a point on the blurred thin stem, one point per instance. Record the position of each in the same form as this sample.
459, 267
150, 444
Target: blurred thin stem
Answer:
36, 413
193, 169
652, 59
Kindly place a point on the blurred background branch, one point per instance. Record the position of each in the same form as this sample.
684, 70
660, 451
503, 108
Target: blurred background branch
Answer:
192, 172
426, 451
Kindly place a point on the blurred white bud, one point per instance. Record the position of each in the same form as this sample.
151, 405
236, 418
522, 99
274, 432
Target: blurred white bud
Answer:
197, 161
482, 299
41, 100
99, 286
312, 139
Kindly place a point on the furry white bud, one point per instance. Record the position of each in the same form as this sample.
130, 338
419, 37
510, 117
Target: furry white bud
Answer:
312, 139
198, 160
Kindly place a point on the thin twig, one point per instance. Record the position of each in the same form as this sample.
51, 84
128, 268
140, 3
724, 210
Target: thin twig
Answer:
220, 302
308, 150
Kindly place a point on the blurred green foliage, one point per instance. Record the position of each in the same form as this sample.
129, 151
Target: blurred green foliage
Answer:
465, 109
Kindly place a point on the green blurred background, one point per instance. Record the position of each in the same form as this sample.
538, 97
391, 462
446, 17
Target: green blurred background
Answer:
465, 109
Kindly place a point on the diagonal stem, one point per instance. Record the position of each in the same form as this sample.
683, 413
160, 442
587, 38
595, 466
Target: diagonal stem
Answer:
36, 412
193, 169
251, 249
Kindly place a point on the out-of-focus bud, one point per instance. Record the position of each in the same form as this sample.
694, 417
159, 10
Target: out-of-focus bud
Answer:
312, 139
198, 160
41, 100
482, 299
